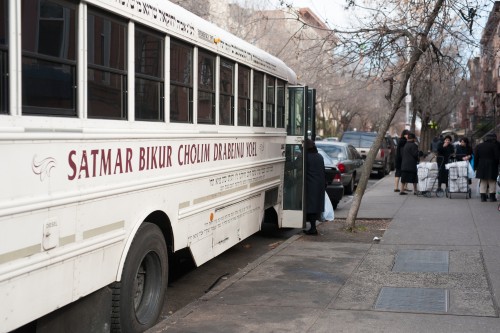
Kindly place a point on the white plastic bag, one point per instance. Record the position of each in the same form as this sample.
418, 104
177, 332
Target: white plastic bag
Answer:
328, 214
471, 173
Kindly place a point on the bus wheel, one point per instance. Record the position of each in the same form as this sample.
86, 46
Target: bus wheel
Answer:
138, 297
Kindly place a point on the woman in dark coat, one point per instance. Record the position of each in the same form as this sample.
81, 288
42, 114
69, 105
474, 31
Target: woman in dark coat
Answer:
486, 159
445, 150
410, 157
464, 150
399, 158
315, 186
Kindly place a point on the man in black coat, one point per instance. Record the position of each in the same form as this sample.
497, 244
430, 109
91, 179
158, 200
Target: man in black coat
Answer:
445, 150
486, 159
315, 186
410, 158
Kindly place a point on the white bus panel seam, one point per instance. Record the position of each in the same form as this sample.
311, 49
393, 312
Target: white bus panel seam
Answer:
226, 200
9, 271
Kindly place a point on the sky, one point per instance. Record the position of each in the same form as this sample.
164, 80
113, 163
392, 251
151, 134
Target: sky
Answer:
333, 12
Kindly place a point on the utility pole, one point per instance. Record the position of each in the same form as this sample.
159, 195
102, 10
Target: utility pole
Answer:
408, 101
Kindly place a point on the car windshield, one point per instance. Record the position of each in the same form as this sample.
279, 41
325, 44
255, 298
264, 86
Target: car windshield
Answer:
359, 140
333, 152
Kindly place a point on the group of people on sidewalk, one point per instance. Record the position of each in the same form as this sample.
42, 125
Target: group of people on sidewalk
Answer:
485, 159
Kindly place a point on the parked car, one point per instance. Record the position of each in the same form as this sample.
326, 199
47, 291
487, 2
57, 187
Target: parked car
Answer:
363, 141
346, 159
334, 187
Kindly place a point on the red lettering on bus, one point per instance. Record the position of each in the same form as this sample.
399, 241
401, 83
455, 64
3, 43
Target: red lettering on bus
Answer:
72, 164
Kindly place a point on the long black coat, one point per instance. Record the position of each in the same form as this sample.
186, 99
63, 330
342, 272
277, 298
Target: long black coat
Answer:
486, 158
316, 183
443, 158
410, 157
399, 152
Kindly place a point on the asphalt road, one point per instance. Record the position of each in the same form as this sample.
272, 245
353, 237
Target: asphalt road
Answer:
188, 282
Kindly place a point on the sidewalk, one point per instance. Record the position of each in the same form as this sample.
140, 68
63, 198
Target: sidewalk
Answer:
437, 269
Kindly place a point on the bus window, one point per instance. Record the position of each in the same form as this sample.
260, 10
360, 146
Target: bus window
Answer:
149, 80
270, 101
48, 58
107, 75
4, 92
181, 82
258, 99
280, 117
226, 105
243, 96
206, 87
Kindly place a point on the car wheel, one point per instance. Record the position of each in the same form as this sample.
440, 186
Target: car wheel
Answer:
381, 173
350, 187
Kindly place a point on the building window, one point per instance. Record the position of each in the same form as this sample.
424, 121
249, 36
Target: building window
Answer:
48, 58
258, 99
226, 105
206, 87
270, 101
107, 75
181, 82
243, 96
149, 79
280, 102
4, 83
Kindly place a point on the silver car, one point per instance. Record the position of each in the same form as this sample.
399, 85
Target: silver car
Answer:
346, 159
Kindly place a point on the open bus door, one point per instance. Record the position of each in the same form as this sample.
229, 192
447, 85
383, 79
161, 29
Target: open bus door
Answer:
299, 123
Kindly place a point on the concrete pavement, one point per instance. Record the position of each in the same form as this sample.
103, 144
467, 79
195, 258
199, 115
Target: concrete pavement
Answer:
436, 269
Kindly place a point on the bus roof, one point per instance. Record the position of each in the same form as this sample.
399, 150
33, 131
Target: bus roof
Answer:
179, 22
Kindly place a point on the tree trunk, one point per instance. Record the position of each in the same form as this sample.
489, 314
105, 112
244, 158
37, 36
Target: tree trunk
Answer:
416, 53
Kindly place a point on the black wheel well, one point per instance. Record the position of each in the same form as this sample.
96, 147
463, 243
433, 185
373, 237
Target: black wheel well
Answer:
270, 216
163, 222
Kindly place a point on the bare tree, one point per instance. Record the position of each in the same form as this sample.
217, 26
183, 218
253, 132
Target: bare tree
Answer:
391, 43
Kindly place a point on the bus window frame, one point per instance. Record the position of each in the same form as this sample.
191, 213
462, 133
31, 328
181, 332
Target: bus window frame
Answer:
158, 80
58, 62
244, 98
204, 88
258, 101
270, 101
4, 58
189, 86
226, 95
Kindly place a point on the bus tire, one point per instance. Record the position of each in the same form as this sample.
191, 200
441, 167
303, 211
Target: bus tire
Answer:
138, 298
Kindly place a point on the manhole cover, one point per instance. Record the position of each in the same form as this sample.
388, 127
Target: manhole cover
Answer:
421, 261
428, 300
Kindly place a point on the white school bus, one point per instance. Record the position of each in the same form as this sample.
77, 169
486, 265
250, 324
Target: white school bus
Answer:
130, 130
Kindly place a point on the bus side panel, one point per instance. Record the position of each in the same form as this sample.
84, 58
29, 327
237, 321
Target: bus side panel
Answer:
230, 224
32, 286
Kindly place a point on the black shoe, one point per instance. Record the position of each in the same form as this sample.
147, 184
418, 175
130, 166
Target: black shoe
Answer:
396, 190
403, 193
484, 197
311, 232
493, 197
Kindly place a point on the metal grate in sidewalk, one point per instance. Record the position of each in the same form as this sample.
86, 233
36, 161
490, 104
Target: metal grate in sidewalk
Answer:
421, 261
424, 300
